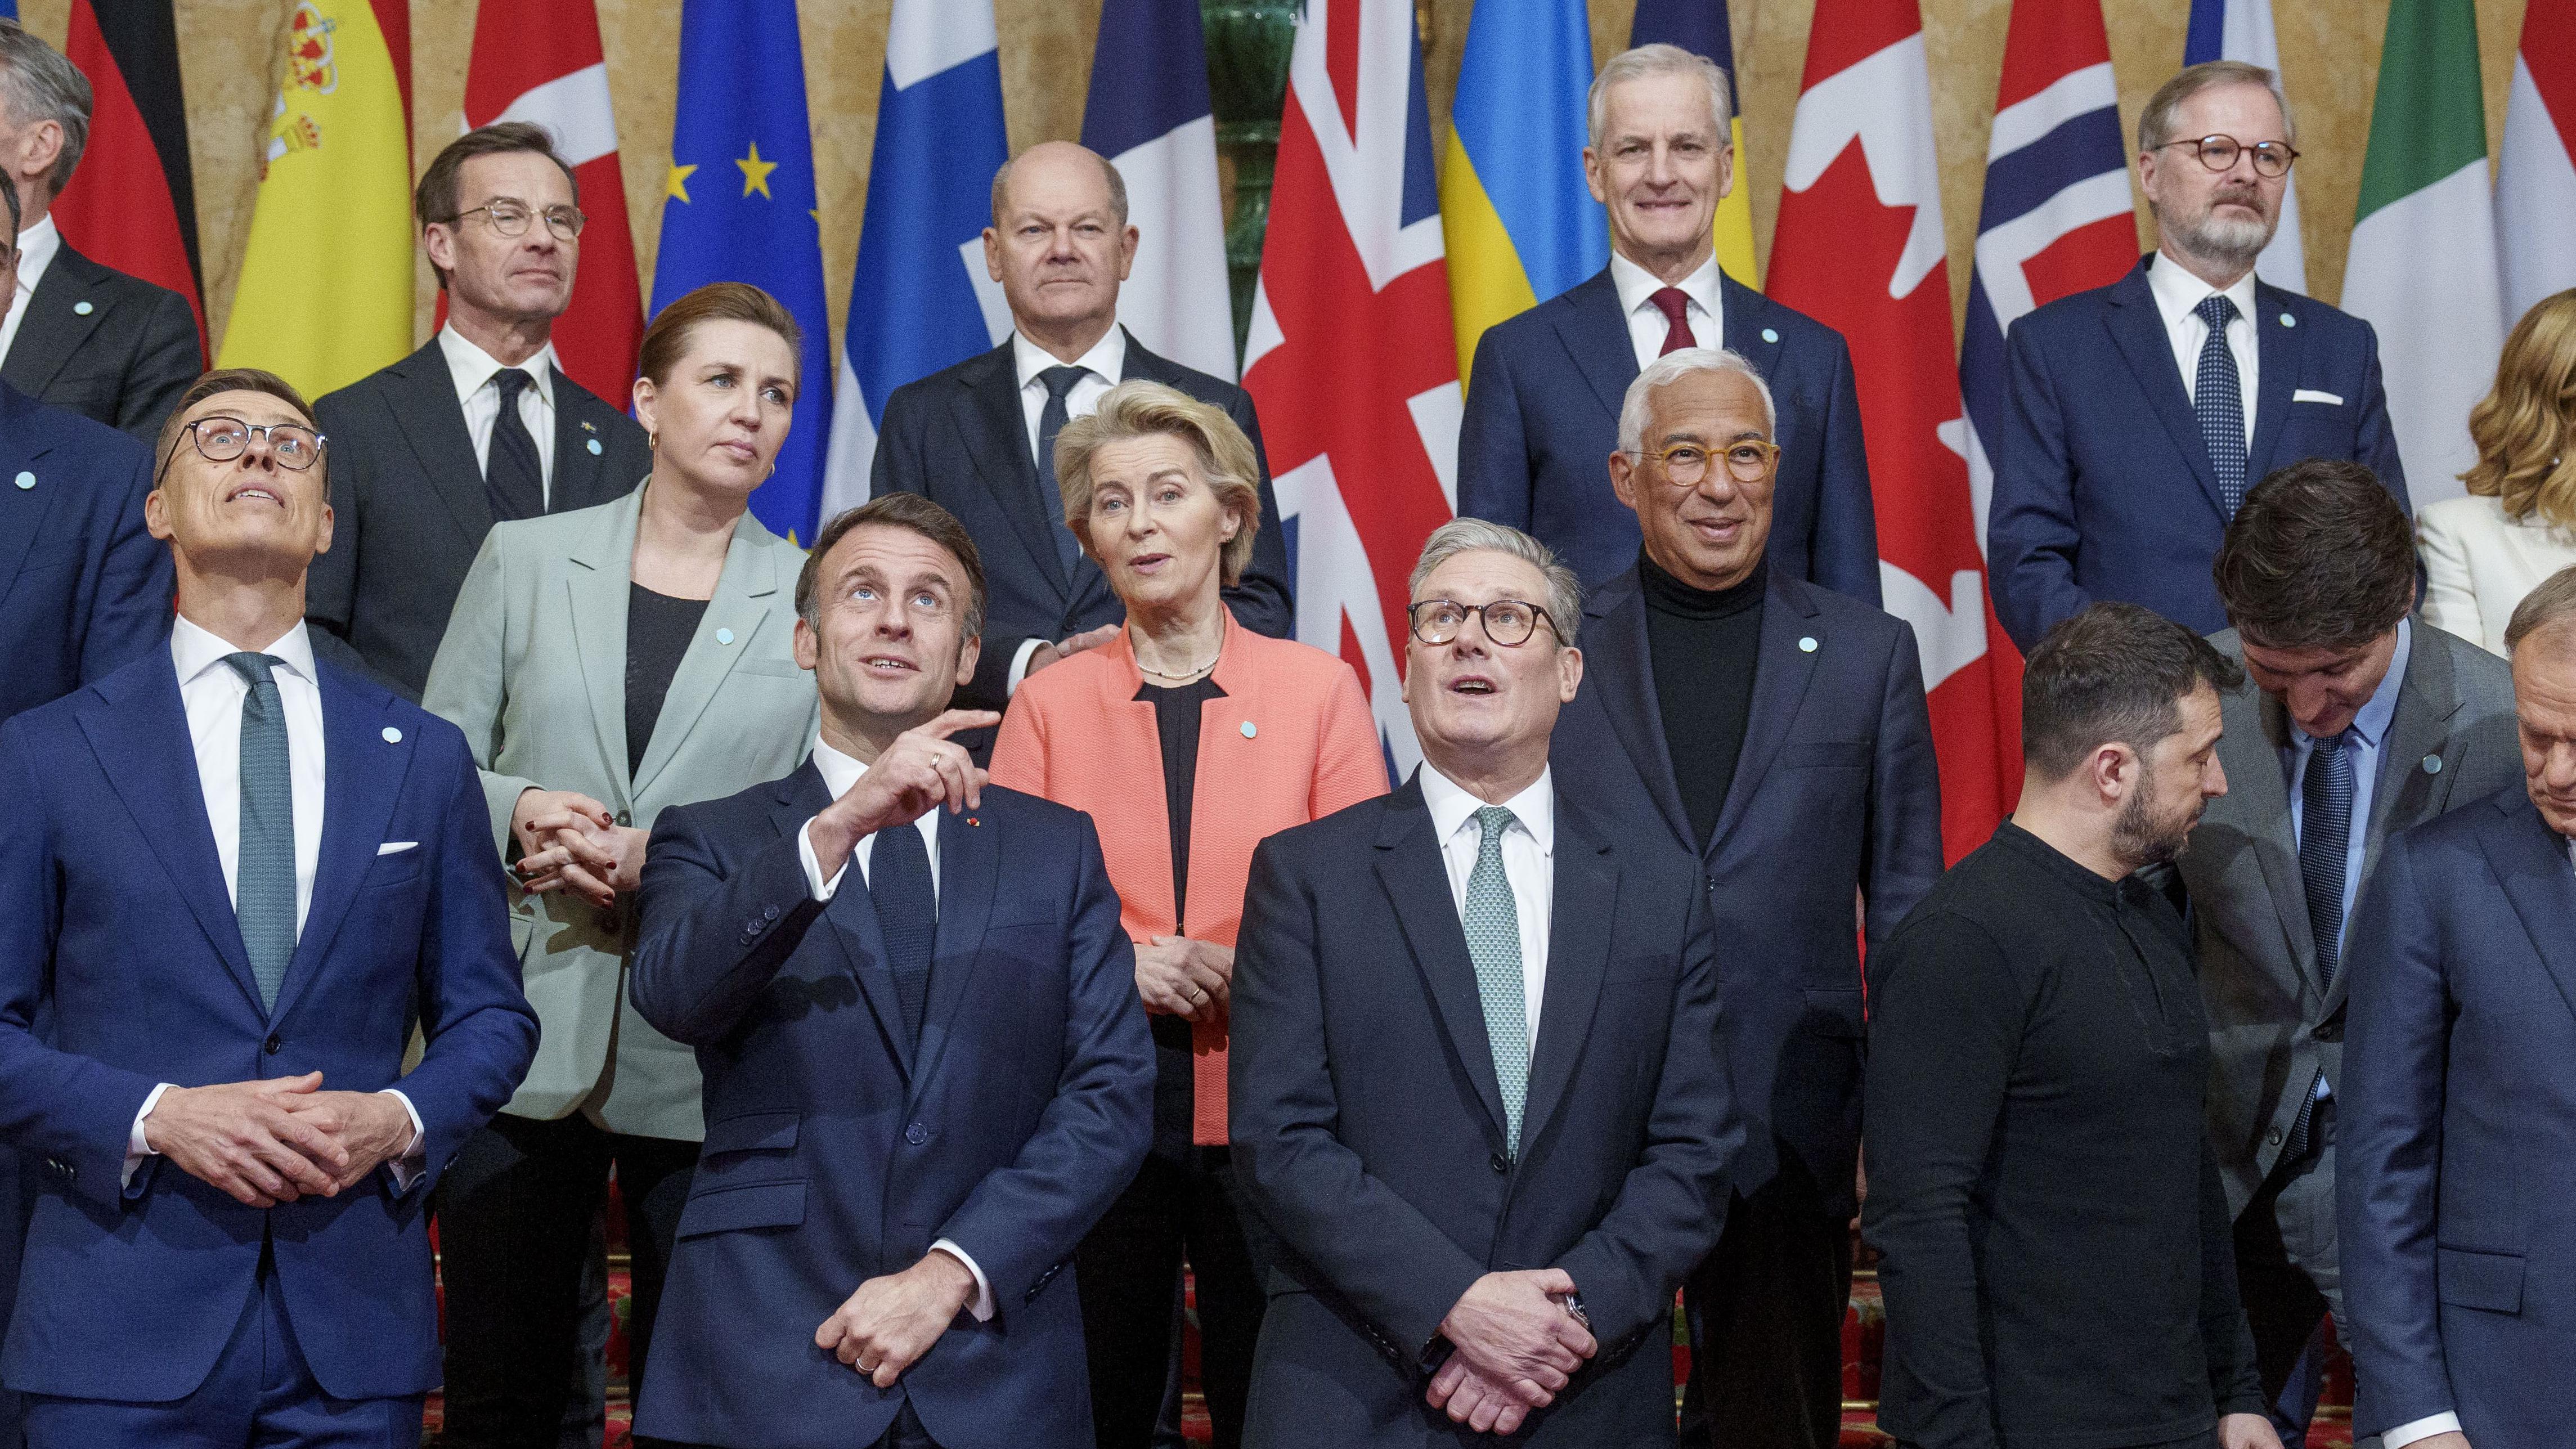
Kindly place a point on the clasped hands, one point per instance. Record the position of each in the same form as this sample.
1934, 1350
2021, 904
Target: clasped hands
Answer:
1515, 1343
272, 1142
569, 842
885, 1327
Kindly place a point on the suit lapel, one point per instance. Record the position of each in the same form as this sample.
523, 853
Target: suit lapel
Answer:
1626, 680
2263, 796
2531, 861
595, 583
53, 330
578, 469
1417, 885
1746, 319
2139, 331
432, 421
24, 509
850, 921
1578, 956
1785, 665
744, 604
139, 729
2276, 355
997, 439
1595, 335
2405, 790
969, 865
362, 778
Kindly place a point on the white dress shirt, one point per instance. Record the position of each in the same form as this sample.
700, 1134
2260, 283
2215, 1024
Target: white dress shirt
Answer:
1647, 324
37, 246
211, 692
1105, 366
2178, 297
474, 370
840, 772
1529, 861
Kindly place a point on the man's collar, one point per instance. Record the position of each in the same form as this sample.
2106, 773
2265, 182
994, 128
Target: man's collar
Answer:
195, 649
37, 247
1107, 357
472, 367
1452, 807
1635, 284
839, 771
2178, 292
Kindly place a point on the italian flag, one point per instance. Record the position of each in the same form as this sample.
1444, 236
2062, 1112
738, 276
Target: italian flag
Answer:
2535, 175
2423, 264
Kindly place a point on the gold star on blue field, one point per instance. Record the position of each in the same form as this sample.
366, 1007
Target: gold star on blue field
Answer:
755, 172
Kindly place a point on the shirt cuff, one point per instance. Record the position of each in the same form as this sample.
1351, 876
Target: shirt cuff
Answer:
136, 1149
1020, 666
406, 1169
2421, 1429
815, 885
982, 1305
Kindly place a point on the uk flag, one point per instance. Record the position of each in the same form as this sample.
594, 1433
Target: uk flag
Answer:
1350, 358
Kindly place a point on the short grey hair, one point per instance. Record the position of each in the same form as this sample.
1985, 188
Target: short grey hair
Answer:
2156, 122
1108, 169
39, 84
1653, 60
2551, 605
1474, 535
1673, 367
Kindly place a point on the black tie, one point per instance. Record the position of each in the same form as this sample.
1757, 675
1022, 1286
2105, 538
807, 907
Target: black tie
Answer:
511, 474
1059, 385
2325, 843
907, 916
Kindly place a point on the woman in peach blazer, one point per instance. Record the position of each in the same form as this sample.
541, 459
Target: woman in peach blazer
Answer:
1254, 735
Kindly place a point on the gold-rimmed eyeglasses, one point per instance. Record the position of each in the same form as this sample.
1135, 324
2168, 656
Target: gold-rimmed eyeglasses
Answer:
2271, 158
1686, 464
1508, 622
220, 439
510, 218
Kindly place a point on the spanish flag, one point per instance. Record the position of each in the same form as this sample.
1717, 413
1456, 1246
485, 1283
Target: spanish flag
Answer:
325, 295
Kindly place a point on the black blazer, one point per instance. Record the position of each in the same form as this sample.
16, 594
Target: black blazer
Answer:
407, 492
1368, 1126
960, 438
1836, 790
123, 361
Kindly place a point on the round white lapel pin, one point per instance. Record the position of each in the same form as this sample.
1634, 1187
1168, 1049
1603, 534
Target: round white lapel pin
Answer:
24, 481
82, 309
1770, 334
2432, 764
595, 449
724, 636
393, 736
2289, 321
1807, 644
1248, 730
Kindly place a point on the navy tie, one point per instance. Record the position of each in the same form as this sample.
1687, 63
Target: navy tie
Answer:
264, 870
907, 916
1051, 420
512, 475
2325, 842
2220, 400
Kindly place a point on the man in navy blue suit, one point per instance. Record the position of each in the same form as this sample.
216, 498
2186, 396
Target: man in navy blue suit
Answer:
2455, 1205
927, 1074
1544, 392
2142, 411
230, 878
1774, 735
1475, 1078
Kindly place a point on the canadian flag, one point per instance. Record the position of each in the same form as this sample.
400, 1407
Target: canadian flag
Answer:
1860, 247
2536, 170
540, 61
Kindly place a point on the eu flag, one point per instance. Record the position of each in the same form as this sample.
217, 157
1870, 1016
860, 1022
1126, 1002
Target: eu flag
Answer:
739, 207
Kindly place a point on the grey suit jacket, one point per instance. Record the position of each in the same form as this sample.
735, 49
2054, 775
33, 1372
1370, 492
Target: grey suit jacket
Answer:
2272, 1025
533, 669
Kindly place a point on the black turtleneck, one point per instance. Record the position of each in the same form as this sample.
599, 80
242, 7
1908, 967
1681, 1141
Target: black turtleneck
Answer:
1702, 644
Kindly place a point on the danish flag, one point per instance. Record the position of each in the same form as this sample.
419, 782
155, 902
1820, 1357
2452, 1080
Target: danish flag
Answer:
1859, 247
1350, 358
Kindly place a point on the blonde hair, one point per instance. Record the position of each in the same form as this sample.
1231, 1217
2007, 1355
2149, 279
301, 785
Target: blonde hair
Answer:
2525, 429
1142, 409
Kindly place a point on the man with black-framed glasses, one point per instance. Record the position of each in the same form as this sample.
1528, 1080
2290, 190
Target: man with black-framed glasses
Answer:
2142, 411
1773, 735
480, 426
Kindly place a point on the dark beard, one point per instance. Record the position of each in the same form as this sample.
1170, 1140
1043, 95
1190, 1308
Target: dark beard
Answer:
2139, 838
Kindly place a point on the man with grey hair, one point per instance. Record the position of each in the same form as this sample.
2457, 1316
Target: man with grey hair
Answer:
1772, 735
2459, 1093
2142, 411
1543, 394
1475, 1085
80, 336
979, 437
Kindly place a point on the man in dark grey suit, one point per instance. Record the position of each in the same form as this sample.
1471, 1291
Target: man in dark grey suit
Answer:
81, 337
480, 426
2355, 721
979, 437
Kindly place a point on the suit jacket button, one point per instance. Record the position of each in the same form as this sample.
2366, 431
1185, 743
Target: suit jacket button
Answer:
916, 1134
2331, 1031
769, 913
1499, 1163
2272, 1139
273, 1045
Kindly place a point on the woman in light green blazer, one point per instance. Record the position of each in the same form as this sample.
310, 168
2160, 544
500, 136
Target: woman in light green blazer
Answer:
606, 663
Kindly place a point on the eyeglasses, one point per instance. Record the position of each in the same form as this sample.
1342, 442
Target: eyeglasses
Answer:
1508, 622
221, 439
2219, 153
510, 218
1686, 464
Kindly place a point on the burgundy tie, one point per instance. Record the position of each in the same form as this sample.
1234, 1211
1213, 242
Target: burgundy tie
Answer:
1674, 303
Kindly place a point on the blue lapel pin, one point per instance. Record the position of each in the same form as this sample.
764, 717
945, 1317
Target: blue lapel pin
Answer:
25, 481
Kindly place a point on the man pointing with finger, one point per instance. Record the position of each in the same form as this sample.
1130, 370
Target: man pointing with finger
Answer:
927, 1073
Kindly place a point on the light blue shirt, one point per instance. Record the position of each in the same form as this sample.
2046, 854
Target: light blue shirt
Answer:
2369, 732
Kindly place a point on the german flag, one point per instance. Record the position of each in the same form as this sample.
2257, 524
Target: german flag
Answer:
132, 203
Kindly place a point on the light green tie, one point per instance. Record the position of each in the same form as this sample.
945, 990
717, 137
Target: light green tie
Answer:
1493, 923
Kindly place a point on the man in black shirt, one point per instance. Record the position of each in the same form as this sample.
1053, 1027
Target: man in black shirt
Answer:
2058, 1262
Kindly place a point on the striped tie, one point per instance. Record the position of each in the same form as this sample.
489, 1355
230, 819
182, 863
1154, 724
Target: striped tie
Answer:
2220, 400
1493, 922
264, 874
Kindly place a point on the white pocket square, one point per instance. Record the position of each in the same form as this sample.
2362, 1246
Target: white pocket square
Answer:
2309, 394
397, 847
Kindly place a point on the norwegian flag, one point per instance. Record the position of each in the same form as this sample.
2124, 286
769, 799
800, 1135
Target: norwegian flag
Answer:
540, 61
1350, 358
1859, 247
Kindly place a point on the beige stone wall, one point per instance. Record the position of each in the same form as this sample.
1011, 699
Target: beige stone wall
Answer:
229, 51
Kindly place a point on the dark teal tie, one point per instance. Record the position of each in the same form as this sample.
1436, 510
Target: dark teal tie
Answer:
264, 877
1493, 924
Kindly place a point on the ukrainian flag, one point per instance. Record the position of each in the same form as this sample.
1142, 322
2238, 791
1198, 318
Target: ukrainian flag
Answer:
1520, 225
1700, 27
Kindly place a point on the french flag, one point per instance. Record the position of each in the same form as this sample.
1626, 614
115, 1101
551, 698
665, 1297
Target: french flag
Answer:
1150, 114
2242, 30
